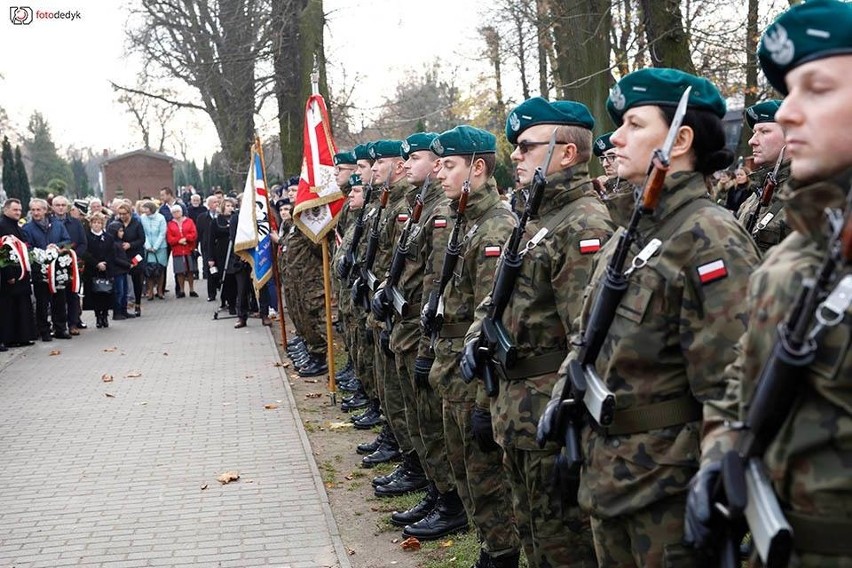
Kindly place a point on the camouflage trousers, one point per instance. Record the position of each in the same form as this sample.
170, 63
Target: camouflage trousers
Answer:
651, 537
306, 304
424, 413
480, 481
389, 387
362, 358
554, 532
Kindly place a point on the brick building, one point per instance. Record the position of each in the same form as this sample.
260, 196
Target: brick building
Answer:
136, 174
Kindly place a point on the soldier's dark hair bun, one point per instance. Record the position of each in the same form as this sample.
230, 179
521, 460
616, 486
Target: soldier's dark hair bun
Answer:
709, 139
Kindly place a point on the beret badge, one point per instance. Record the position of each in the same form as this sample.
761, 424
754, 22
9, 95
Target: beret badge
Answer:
779, 45
617, 97
514, 122
406, 147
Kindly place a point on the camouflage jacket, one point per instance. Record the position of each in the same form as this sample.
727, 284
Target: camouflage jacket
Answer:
810, 459
302, 257
774, 216
343, 287
488, 222
672, 336
547, 298
432, 231
619, 200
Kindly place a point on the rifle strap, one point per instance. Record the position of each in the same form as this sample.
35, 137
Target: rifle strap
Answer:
655, 416
821, 535
534, 366
454, 330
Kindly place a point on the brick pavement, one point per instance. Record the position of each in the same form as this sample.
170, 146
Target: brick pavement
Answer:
91, 480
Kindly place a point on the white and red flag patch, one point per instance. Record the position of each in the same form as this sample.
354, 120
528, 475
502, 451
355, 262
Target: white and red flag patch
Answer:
492, 250
439, 223
402, 218
588, 246
712, 271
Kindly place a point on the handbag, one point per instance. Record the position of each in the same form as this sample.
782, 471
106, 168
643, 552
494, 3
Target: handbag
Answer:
102, 285
152, 269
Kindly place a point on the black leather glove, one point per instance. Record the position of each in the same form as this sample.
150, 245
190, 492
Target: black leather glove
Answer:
384, 341
427, 319
483, 433
699, 506
469, 363
380, 304
548, 430
344, 265
422, 366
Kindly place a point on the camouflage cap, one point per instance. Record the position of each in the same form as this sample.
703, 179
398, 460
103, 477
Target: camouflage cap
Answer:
602, 144
385, 149
355, 179
362, 151
464, 140
417, 142
540, 111
345, 158
806, 32
762, 112
663, 87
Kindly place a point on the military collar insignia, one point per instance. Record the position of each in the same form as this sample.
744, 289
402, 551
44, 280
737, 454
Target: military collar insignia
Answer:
779, 45
617, 97
514, 122
406, 147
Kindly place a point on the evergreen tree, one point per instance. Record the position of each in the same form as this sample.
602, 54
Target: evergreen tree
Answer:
81, 179
47, 164
23, 184
206, 177
193, 176
10, 175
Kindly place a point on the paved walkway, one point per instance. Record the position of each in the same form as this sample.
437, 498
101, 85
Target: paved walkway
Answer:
124, 473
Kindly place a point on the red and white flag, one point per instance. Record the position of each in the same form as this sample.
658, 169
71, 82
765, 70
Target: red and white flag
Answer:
319, 199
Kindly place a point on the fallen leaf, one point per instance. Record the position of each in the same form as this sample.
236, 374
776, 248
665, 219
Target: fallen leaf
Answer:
249, 376
228, 477
133, 374
394, 541
106, 394
278, 364
349, 477
285, 365
270, 406
106, 377
329, 485
350, 551
446, 544
110, 349
314, 395
410, 543
166, 354
55, 352
143, 403
340, 425
312, 381
203, 487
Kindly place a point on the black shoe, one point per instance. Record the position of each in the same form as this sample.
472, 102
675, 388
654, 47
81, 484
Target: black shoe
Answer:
295, 341
180, 295
128, 315
82, 325
387, 452
410, 480
348, 369
359, 401
211, 298
98, 323
417, 512
232, 311
380, 480
446, 518
46, 337
3, 348
118, 316
61, 334
138, 312
352, 386
368, 448
372, 417
193, 294
314, 369
510, 560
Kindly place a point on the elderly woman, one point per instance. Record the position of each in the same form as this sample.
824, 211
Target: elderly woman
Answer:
156, 249
182, 236
132, 243
100, 263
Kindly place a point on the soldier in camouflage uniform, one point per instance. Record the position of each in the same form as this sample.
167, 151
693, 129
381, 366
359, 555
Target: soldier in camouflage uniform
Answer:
807, 50
547, 298
423, 413
468, 153
674, 329
766, 143
618, 193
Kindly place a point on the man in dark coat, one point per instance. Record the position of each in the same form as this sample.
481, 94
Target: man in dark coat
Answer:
80, 244
17, 326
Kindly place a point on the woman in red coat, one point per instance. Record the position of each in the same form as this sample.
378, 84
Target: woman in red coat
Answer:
182, 238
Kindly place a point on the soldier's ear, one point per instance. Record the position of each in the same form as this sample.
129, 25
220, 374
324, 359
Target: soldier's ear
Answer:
683, 141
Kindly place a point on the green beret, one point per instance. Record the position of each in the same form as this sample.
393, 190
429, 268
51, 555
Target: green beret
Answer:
762, 112
361, 152
540, 111
464, 140
417, 142
806, 32
355, 179
602, 144
663, 87
344, 158
386, 149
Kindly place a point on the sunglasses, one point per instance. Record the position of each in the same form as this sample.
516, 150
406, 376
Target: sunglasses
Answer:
525, 146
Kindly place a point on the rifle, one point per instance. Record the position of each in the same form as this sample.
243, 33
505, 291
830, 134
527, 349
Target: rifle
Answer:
744, 489
433, 313
345, 265
494, 339
584, 391
367, 278
769, 185
391, 290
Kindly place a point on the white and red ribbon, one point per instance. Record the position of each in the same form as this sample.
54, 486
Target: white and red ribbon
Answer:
20, 248
74, 277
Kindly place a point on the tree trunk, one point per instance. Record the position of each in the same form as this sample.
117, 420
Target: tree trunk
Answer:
752, 37
668, 43
543, 27
492, 44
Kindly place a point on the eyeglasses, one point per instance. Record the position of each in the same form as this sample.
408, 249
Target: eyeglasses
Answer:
525, 146
607, 158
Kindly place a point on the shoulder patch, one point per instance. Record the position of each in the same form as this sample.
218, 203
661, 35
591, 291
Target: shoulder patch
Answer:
439, 223
712, 271
493, 250
589, 246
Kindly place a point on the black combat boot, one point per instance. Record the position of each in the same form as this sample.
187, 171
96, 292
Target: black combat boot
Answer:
417, 512
446, 518
373, 417
510, 560
360, 400
368, 448
388, 451
315, 367
410, 480
346, 370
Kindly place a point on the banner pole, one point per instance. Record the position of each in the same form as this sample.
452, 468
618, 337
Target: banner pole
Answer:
275, 273
326, 278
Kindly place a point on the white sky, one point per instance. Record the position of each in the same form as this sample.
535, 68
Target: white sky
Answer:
63, 68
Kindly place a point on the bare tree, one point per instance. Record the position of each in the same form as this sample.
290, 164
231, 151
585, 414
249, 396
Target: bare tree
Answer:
667, 40
492, 43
